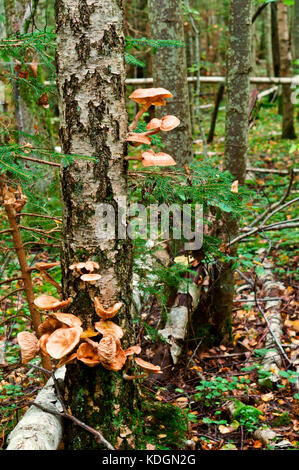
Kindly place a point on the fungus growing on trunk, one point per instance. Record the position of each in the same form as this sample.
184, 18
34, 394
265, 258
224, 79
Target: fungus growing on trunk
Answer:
48, 302
147, 366
148, 97
138, 139
88, 354
90, 278
149, 158
106, 313
29, 345
63, 341
106, 327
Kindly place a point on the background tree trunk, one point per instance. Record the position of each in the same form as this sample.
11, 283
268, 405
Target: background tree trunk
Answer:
296, 31
170, 72
91, 77
238, 87
268, 40
288, 129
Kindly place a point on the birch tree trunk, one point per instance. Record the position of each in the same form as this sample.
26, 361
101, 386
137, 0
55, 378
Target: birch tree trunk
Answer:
236, 142
288, 129
91, 77
170, 72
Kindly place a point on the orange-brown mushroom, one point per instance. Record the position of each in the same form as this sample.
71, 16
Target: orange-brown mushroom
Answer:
49, 325
43, 342
149, 158
148, 366
147, 97
91, 278
110, 353
88, 265
154, 123
106, 327
45, 266
28, 343
136, 349
67, 319
67, 359
139, 139
150, 96
88, 354
63, 341
48, 302
169, 122
106, 313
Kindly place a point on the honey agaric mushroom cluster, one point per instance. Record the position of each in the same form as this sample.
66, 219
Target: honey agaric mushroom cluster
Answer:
148, 97
62, 336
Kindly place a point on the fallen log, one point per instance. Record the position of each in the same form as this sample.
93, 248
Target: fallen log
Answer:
186, 301
39, 430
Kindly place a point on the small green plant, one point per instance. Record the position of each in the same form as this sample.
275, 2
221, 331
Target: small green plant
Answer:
212, 392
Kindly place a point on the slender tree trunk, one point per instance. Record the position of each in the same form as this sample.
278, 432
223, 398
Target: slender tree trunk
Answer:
296, 31
268, 40
91, 77
236, 142
275, 40
170, 72
288, 129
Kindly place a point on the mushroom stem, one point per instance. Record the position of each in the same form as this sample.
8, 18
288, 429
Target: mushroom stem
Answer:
134, 377
141, 111
133, 158
150, 132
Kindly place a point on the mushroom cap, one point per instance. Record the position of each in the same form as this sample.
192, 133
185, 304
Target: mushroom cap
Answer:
139, 139
153, 96
48, 302
136, 349
29, 345
45, 266
148, 366
67, 319
49, 325
117, 363
91, 278
149, 158
169, 122
63, 341
154, 123
110, 353
106, 313
88, 354
43, 342
67, 359
106, 327
88, 265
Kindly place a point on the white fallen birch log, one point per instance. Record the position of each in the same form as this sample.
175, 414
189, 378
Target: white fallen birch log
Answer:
272, 360
39, 430
176, 327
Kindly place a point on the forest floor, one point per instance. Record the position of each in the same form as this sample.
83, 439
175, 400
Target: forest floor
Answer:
201, 387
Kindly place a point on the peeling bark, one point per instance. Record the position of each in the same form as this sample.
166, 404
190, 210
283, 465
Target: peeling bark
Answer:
91, 80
